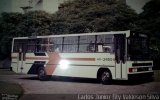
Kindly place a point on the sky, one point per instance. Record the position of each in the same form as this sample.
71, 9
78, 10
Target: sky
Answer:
137, 4
5, 5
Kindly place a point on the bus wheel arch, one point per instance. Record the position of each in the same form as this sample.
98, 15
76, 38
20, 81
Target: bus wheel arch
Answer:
104, 75
42, 74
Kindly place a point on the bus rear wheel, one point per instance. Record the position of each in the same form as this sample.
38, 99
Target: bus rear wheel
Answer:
106, 77
42, 74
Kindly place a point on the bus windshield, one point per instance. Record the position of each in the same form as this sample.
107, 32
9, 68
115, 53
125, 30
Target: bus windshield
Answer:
138, 48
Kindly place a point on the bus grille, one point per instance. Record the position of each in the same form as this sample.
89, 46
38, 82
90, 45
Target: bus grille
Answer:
142, 69
142, 64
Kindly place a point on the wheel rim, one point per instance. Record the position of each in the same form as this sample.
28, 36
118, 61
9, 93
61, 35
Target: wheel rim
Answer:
105, 76
41, 73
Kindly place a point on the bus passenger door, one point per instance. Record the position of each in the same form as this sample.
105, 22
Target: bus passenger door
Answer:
21, 58
120, 54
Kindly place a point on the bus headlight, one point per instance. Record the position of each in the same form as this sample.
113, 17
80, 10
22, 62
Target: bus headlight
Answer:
64, 64
134, 70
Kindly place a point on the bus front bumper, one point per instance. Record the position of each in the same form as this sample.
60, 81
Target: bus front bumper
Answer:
140, 76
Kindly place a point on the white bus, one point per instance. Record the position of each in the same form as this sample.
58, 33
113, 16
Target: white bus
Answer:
102, 55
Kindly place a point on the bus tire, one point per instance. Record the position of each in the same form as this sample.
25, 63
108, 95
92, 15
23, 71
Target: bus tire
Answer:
106, 77
42, 74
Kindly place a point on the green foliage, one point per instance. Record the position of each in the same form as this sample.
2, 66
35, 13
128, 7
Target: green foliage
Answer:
8, 24
36, 23
149, 21
77, 16
81, 16
17, 24
150, 17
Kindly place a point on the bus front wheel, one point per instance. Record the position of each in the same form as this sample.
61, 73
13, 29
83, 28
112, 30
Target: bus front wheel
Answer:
106, 77
42, 74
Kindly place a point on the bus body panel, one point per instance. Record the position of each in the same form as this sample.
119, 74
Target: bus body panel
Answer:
80, 63
14, 62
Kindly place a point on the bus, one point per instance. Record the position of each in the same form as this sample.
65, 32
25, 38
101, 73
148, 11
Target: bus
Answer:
106, 56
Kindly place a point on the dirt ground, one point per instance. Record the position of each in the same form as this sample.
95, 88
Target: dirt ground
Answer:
72, 88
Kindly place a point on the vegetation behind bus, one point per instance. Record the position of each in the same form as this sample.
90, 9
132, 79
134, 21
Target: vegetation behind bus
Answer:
81, 16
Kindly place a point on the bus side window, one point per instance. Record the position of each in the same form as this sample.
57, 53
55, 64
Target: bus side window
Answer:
100, 48
107, 42
57, 50
31, 45
16, 47
86, 44
107, 49
51, 48
55, 44
90, 47
70, 44
19, 44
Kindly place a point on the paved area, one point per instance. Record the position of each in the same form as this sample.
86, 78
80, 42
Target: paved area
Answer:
32, 85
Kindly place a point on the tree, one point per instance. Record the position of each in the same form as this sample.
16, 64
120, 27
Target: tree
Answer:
35, 23
79, 16
150, 19
8, 25
17, 24
150, 22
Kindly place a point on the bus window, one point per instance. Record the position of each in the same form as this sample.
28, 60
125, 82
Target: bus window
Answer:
107, 42
55, 44
51, 47
37, 45
16, 46
107, 49
100, 48
91, 47
87, 43
70, 44
31, 45
20, 44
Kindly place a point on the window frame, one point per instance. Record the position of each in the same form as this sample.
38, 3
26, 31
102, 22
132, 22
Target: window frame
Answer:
81, 43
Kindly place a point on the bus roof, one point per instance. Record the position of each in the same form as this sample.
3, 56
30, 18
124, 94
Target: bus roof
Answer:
80, 34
